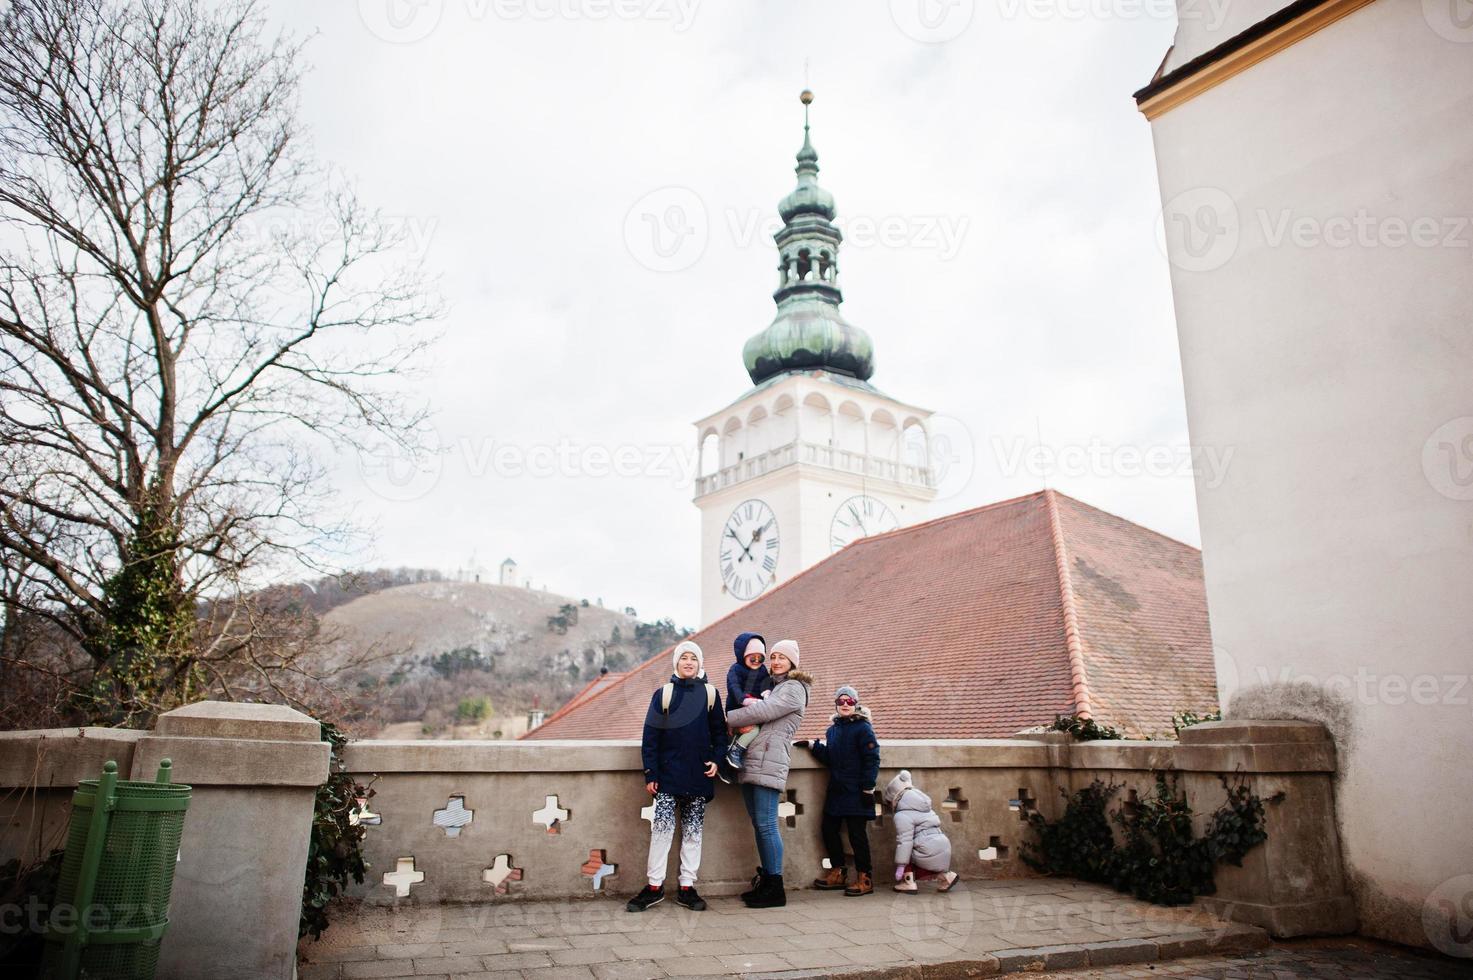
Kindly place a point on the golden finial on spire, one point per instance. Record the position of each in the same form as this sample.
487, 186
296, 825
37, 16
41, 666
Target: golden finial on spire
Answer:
806, 97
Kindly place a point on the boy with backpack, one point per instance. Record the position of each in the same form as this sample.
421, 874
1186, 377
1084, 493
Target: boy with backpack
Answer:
684, 735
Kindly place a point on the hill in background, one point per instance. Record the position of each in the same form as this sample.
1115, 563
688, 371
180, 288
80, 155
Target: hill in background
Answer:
471, 659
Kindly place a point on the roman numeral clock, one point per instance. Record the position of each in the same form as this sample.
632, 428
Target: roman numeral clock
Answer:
750, 548
812, 457
859, 517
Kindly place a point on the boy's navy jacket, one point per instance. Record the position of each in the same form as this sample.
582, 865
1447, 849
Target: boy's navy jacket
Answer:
678, 743
742, 680
852, 754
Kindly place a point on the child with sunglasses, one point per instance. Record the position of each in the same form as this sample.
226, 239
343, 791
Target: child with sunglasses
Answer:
852, 754
747, 679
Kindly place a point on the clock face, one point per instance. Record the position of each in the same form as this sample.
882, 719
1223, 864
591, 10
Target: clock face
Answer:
859, 517
748, 550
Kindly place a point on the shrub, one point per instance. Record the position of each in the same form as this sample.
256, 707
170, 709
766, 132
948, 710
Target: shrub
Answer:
1083, 729
471, 710
1157, 858
335, 851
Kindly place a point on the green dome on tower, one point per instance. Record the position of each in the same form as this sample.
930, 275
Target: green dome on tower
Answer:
809, 332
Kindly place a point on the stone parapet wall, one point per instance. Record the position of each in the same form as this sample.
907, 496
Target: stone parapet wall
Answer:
492, 803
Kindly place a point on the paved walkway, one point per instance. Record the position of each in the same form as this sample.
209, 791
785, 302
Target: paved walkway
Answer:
993, 926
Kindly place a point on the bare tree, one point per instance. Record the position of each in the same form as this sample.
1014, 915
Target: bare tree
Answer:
190, 310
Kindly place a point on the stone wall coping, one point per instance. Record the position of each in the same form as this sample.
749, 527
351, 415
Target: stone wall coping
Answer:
235, 719
1234, 732
63, 756
1277, 750
230, 762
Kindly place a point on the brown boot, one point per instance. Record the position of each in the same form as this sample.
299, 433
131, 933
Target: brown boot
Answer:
832, 881
865, 885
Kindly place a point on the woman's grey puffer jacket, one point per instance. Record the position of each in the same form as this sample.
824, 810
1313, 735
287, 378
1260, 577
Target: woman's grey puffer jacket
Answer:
780, 714
919, 839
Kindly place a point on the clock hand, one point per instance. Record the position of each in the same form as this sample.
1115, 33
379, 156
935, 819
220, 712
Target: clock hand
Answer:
745, 547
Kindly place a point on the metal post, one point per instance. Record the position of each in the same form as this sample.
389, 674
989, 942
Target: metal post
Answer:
71, 963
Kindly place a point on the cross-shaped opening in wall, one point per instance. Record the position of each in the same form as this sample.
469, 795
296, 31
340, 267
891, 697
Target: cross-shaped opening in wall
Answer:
995, 850
453, 816
790, 809
403, 877
501, 874
362, 816
598, 867
1025, 804
955, 803
551, 815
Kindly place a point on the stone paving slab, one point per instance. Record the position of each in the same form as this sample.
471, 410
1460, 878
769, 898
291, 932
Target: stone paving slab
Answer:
977, 928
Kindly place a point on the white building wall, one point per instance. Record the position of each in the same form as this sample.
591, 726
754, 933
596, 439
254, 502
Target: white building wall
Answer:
1336, 362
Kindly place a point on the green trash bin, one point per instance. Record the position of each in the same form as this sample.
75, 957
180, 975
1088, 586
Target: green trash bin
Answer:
112, 897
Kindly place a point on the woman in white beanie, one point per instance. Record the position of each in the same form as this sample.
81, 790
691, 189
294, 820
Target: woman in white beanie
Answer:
684, 735
764, 772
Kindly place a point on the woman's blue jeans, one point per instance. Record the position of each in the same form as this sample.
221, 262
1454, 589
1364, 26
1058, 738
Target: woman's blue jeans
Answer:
762, 808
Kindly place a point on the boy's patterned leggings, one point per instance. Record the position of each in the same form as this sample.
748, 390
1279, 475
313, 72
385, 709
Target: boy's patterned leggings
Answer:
662, 833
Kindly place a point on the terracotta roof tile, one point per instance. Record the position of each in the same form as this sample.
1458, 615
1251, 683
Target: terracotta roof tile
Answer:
961, 628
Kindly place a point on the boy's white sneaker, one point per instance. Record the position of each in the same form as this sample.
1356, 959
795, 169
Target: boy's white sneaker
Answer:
907, 884
947, 880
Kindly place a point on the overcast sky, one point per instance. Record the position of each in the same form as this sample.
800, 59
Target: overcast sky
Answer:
596, 181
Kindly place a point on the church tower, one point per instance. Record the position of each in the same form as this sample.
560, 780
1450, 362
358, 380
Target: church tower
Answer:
812, 457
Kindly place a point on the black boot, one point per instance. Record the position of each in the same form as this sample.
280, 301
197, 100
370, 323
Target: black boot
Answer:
771, 895
757, 880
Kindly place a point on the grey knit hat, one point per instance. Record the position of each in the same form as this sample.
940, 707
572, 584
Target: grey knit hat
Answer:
849, 690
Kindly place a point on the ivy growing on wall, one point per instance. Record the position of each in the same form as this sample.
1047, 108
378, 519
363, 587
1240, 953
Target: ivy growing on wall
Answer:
1084, 729
1155, 856
335, 852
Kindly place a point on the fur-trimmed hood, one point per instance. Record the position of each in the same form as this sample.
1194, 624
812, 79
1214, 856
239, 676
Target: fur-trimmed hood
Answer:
794, 675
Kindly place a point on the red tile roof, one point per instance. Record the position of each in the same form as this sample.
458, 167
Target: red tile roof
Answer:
975, 625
